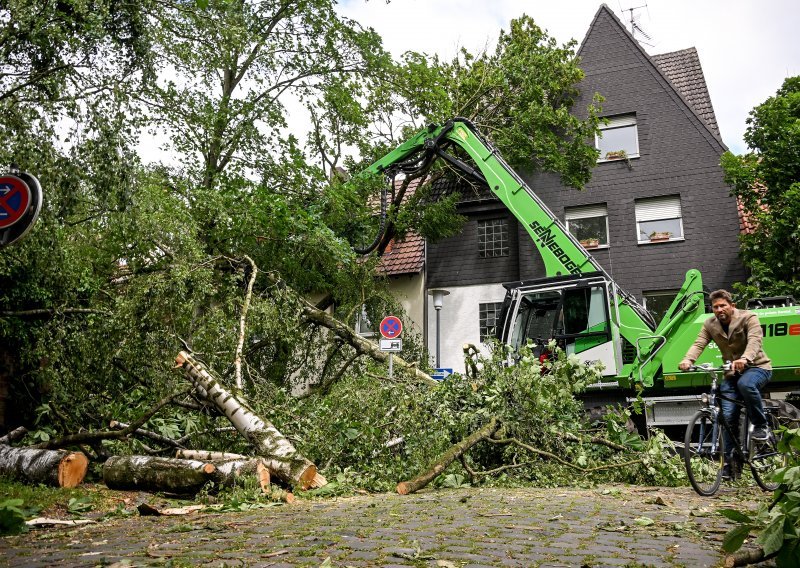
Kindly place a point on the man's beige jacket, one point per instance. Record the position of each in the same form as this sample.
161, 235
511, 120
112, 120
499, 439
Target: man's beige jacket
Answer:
743, 339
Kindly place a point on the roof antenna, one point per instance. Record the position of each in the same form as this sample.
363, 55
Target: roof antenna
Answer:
635, 27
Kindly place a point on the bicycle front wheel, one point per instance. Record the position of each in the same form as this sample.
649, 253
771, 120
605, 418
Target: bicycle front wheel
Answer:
704, 453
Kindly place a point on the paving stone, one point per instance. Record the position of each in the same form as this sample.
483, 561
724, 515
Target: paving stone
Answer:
495, 527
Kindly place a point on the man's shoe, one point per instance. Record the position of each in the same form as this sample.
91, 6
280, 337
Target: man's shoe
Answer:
760, 434
726, 470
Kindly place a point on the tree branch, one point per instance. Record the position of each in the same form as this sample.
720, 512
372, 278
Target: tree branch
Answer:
237, 362
88, 437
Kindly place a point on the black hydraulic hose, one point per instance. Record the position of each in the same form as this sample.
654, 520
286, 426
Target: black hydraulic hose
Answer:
379, 236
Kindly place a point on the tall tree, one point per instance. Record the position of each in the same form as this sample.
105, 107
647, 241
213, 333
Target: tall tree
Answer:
767, 183
522, 96
66, 70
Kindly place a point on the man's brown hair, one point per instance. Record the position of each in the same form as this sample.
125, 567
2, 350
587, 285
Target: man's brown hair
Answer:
720, 294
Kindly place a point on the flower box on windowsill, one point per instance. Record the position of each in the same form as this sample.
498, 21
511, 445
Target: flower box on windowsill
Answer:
590, 243
660, 236
616, 155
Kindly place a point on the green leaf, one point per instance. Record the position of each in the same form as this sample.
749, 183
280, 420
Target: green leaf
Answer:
734, 515
78, 505
12, 520
771, 538
735, 537
644, 521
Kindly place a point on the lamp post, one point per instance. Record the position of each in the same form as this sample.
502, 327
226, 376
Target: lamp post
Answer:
438, 300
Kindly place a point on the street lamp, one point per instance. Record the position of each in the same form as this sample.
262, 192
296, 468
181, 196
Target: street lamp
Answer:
438, 300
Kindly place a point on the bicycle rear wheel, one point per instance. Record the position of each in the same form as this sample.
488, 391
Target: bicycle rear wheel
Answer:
765, 459
704, 453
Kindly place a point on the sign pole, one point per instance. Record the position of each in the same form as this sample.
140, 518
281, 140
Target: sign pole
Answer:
391, 327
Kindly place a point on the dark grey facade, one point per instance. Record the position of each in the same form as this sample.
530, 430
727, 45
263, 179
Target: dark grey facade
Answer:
679, 150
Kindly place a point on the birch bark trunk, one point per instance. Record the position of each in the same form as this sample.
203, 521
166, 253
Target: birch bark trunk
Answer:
149, 473
59, 468
280, 456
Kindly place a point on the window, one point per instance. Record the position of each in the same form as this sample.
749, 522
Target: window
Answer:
487, 316
363, 325
619, 138
658, 302
659, 219
587, 224
577, 317
493, 238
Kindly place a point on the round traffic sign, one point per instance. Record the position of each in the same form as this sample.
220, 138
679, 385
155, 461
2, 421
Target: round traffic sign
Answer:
25, 222
391, 327
15, 199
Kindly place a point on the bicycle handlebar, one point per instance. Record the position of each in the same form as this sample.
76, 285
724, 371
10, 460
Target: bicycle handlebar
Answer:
708, 367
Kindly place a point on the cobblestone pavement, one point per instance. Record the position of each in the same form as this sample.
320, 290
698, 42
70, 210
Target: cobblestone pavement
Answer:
607, 526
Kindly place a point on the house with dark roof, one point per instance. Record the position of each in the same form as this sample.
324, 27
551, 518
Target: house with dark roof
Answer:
656, 206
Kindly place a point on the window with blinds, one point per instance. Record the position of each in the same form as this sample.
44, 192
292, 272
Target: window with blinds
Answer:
588, 224
619, 138
659, 219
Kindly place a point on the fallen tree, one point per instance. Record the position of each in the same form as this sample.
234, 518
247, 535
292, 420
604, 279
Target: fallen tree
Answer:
58, 468
361, 345
280, 456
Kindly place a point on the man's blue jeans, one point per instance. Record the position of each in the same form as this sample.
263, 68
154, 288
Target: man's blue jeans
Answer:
746, 387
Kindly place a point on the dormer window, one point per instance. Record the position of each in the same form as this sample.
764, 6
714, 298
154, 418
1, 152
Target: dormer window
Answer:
619, 139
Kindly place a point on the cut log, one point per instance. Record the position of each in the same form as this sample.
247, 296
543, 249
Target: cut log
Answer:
149, 473
746, 557
280, 456
454, 453
205, 455
228, 473
279, 495
58, 468
317, 482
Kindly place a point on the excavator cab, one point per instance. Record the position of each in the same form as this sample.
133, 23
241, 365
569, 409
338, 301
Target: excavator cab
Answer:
574, 312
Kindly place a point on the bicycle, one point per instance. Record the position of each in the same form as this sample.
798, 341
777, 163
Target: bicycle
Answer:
704, 442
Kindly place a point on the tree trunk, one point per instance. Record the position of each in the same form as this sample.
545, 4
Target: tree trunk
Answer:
148, 473
229, 472
58, 468
455, 452
280, 456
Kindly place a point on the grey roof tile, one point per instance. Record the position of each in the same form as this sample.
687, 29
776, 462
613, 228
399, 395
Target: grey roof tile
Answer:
684, 70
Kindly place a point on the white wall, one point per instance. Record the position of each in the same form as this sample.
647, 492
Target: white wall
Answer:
460, 323
410, 292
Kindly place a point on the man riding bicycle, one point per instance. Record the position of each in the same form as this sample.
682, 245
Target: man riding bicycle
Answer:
738, 335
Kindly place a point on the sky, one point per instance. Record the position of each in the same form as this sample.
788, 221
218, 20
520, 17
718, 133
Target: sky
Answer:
746, 48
